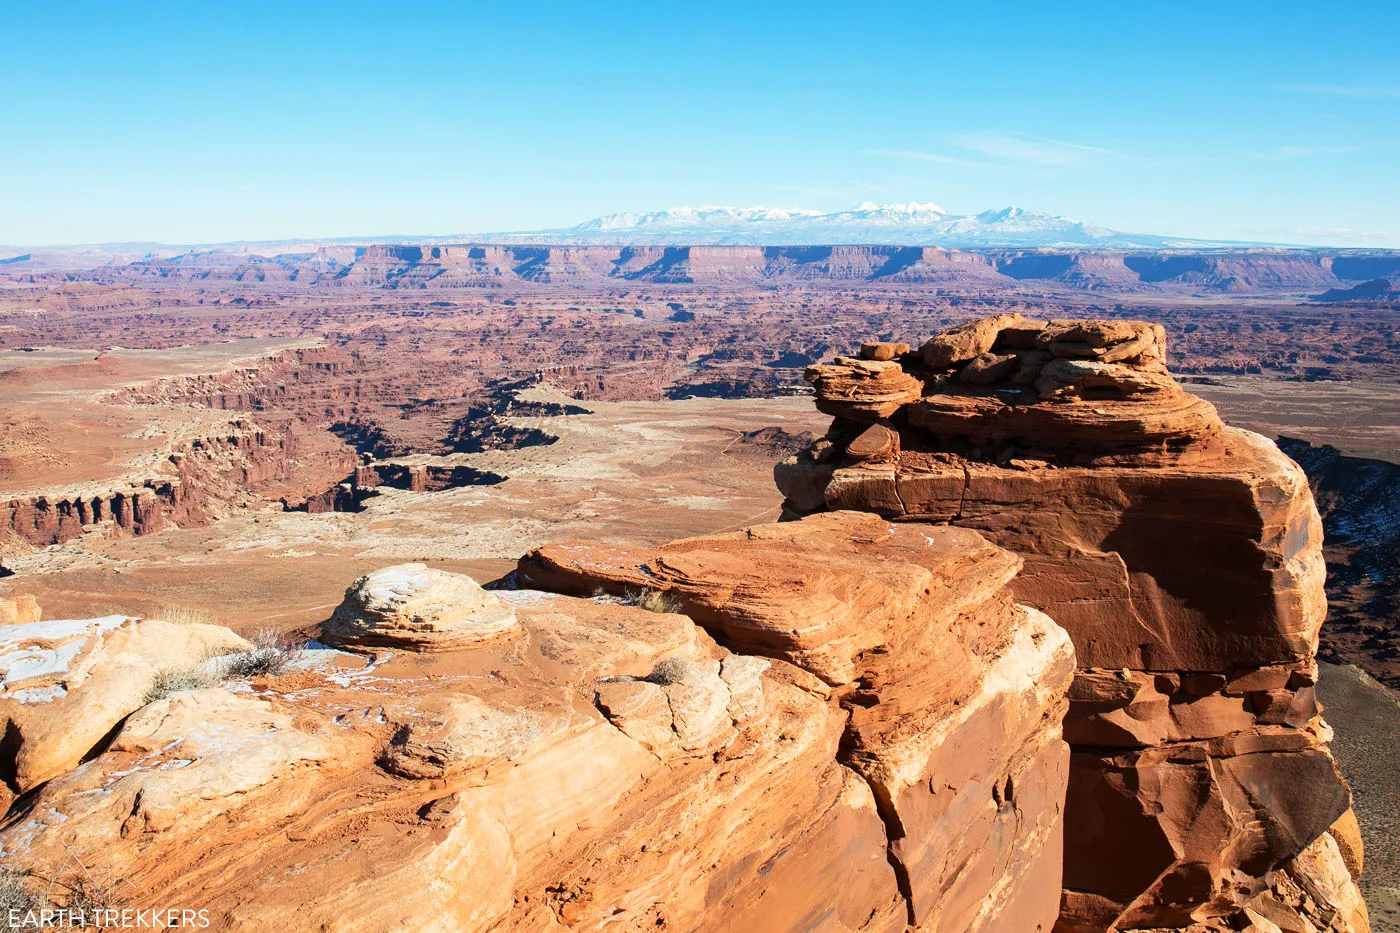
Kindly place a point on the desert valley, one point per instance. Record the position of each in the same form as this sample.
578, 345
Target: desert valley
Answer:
826, 588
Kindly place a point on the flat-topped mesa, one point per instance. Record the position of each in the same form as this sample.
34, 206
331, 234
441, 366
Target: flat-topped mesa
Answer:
950, 687
1184, 558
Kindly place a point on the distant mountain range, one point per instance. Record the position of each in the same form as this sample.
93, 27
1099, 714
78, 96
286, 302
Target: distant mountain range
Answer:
912, 224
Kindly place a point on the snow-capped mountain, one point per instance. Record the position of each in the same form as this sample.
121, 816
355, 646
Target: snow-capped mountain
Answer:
912, 224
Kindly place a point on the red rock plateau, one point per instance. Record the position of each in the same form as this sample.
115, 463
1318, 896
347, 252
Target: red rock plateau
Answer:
220, 438
1184, 557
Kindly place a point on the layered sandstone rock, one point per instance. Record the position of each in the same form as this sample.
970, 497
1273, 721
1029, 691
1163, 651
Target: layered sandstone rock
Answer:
1183, 557
199, 480
863, 390
951, 688
67, 682
412, 607
609, 767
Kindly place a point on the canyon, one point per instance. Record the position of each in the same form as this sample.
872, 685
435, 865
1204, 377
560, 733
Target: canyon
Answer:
1002, 534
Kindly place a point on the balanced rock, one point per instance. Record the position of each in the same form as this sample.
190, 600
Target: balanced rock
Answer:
409, 606
863, 390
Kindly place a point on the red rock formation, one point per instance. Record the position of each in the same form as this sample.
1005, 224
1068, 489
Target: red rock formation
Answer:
522, 760
950, 686
200, 480
1183, 557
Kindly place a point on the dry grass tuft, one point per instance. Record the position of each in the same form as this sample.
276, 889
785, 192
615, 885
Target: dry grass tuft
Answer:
179, 680
669, 671
15, 894
184, 615
653, 601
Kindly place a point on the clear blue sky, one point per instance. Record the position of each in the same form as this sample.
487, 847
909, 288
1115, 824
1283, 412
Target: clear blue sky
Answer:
200, 122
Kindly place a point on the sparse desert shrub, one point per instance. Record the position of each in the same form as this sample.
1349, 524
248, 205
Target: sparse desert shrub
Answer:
669, 671
653, 601
15, 894
270, 655
88, 896
178, 680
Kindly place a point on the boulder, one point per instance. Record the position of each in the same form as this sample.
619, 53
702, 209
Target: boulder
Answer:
411, 607
984, 369
883, 351
876, 442
966, 342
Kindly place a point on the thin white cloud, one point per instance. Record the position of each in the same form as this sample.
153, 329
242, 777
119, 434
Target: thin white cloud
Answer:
868, 186
1357, 91
1023, 147
1068, 145
915, 156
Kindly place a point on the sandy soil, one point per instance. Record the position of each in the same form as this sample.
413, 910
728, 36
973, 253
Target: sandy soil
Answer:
1360, 418
640, 472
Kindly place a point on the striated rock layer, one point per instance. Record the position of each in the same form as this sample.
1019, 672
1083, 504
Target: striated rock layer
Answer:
1183, 557
198, 481
871, 737
952, 689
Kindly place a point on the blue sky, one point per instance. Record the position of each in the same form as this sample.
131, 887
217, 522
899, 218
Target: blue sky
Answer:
211, 122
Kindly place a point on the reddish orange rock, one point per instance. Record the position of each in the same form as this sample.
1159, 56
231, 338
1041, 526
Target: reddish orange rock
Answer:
953, 691
876, 442
1184, 558
883, 351
863, 390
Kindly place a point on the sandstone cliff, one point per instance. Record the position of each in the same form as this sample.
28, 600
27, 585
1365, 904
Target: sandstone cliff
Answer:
196, 482
1183, 557
879, 743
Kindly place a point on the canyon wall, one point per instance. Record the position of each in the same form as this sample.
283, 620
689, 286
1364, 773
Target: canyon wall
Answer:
491, 265
1183, 557
200, 480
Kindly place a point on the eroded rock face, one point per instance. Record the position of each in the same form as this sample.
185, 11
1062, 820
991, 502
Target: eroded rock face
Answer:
21, 610
613, 767
412, 607
1183, 557
953, 690
67, 682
